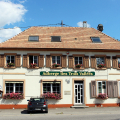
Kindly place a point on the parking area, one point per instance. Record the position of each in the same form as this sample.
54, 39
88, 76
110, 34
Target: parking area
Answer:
60, 113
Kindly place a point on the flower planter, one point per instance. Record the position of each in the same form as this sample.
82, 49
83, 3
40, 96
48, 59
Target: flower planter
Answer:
56, 65
15, 96
78, 65
101, 66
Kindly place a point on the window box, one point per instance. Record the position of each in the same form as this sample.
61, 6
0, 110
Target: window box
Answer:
16, 96
10, 64
102, 96
52, 95
78, 65
55, 65
33, 65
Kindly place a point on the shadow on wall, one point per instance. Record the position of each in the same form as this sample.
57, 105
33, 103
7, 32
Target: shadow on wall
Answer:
10, 101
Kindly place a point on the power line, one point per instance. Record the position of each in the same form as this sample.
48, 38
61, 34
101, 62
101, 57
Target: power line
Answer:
37, 26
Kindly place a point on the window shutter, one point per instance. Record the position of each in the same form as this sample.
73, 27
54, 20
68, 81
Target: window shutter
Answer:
115, 89
110, 89
93, 62
70, 61
1, 60
114, 62
41, 60
64, 64
25, 61
48, 61
93, 89
86, 61
108, 62
18, 61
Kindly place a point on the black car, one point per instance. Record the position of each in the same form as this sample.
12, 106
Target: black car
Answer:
37, 104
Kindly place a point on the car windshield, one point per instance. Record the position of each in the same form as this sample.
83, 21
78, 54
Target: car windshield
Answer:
37, 99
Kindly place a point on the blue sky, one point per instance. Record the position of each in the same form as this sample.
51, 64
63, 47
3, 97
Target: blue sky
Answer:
23, 13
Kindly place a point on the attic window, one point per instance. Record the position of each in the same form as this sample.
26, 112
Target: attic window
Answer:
33, 38
55, 38
96, 40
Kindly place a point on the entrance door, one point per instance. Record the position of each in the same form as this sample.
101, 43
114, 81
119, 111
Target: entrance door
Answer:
79, 93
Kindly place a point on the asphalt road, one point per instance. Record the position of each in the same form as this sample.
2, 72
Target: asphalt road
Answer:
107, 113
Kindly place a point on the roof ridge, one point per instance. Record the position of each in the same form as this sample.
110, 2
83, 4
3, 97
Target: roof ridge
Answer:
105, 34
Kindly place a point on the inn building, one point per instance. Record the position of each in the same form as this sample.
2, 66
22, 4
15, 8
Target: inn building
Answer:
77, 62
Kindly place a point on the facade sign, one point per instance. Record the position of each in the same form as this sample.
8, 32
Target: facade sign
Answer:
55, 73
67, 92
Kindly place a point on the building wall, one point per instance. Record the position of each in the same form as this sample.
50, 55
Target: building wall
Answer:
32, 79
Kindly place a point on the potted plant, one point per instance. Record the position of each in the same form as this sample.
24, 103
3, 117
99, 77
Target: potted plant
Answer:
56, 65
78, 65
102, 96
33, 65
101, 65
16, 96
52, 95
10, 64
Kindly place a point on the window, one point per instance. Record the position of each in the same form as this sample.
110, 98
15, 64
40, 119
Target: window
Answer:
119, 62
52, 87
33, 59
56, 59
96, 40
101, 87
16, 87
33, 38
100, 60
55, 39
78, 60
10, 59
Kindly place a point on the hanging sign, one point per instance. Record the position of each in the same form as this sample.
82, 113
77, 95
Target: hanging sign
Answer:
55, 73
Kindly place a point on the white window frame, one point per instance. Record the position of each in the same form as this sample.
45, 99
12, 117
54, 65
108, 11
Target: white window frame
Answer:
33, 59
10, 58
51, 86
101, 87
13, 86
56, 59
78, 59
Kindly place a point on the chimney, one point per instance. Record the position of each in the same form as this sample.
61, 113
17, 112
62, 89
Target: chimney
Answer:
100, 27
84, 24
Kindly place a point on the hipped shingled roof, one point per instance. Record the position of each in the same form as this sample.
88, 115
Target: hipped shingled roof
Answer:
68, 35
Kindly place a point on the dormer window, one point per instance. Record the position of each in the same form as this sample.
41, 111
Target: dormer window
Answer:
96, 40
55, 38
33, 38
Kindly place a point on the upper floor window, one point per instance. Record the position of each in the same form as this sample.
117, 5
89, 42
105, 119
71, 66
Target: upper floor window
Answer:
56, 61
119, 62
78, 61
100, 62
55, 39
33, 61
33, 38
10, 60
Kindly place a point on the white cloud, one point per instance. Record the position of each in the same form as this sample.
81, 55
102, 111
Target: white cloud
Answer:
8, 33
80, 24
10, 13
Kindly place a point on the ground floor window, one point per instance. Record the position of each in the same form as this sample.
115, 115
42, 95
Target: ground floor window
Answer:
52, 87
101, 87
16, 87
